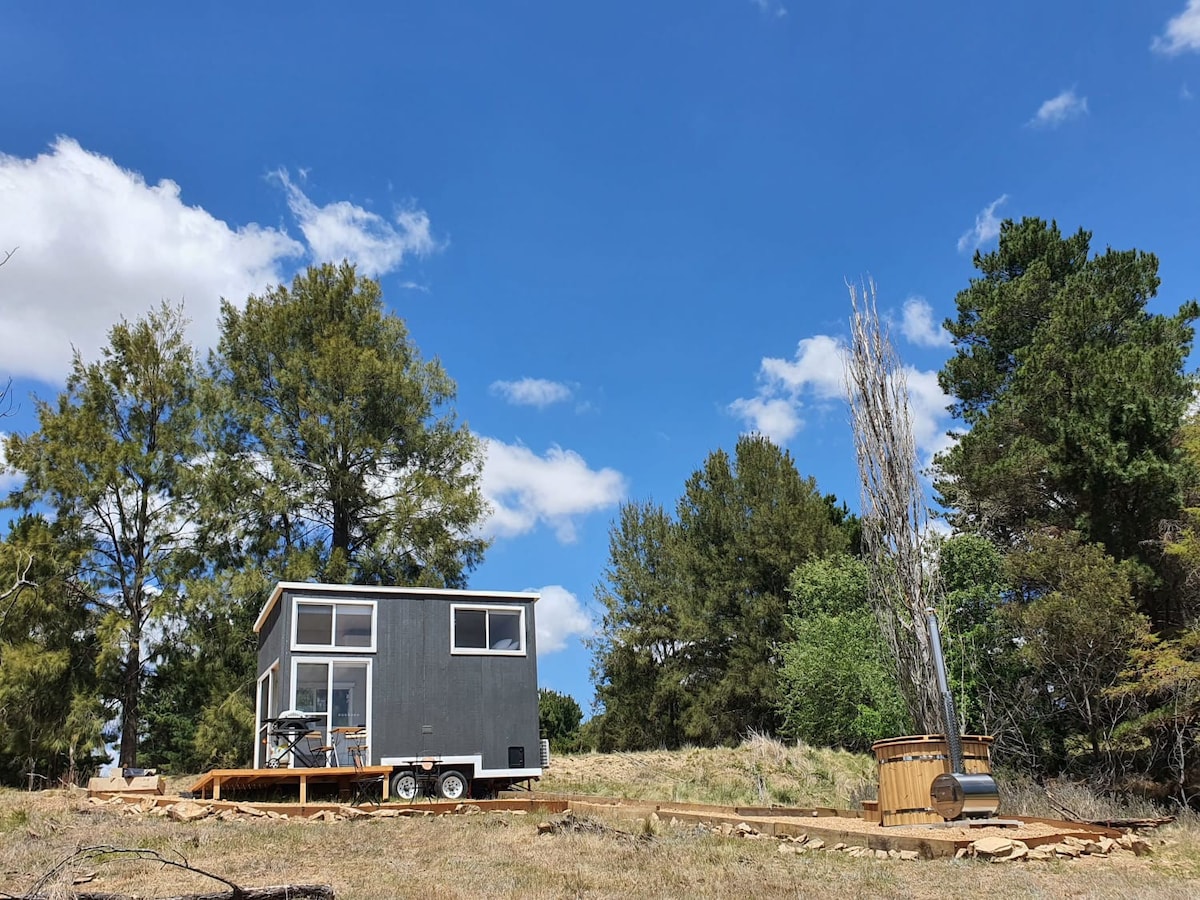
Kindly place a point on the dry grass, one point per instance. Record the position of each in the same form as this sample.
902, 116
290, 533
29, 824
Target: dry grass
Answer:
502, 855
760, 772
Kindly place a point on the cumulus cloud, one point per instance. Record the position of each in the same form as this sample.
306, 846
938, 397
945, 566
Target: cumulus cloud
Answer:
525, 489
817, 374
785, 385
98, 243
1060, 108
986, 228
342, 230
1182, 32
774, 417
772, 8
560, 617
532, 392
918, 326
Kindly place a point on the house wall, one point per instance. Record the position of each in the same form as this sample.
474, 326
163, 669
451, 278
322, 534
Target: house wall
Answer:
426, 701
429, 702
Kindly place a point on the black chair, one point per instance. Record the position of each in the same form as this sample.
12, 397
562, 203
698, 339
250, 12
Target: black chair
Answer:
365, 787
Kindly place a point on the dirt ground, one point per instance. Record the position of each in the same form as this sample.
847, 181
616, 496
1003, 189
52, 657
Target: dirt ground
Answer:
504, 855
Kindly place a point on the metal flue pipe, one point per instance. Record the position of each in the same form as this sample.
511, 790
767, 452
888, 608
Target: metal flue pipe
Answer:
949, 714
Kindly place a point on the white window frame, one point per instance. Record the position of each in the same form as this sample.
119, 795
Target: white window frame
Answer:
485, 651
331, 647
271, 677
332, 661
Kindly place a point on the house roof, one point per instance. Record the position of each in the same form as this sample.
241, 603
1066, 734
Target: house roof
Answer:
447, 593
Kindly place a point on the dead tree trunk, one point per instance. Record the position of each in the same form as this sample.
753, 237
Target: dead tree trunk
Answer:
895, 518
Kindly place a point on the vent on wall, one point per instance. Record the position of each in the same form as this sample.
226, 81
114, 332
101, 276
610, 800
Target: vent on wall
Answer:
545, 748
516, 757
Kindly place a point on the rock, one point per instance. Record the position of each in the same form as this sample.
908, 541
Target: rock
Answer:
247, 810
545, 827
187, 811
1139, 847
909, 855
893, 854
352, 812
1065, 850
228, 815
881, 854
992, 846
788, 848
726, 828
838, 846
1040, 853
1019, 851
1091, 847
961, 853
743, 828
814, 844
1108, 845
655, 821
1072, 841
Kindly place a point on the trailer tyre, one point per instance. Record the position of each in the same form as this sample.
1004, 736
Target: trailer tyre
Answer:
404, 785
452, 785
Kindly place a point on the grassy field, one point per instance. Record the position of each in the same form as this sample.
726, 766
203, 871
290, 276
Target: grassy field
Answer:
502, 855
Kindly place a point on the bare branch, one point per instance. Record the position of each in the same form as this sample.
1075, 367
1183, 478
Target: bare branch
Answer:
894, 515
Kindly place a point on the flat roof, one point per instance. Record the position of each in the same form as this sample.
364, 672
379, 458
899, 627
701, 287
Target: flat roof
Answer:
449, 593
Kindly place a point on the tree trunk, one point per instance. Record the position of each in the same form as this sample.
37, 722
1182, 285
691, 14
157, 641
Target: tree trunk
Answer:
131, 688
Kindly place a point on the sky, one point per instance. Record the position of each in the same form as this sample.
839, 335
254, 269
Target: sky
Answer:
625, 229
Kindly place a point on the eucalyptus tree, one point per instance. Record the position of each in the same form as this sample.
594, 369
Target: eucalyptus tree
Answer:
337, 454
111, 467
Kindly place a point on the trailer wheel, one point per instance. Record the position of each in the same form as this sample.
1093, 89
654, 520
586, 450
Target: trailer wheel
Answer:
404, 785
452, 785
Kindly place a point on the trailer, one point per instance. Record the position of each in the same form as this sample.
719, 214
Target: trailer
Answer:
438, 686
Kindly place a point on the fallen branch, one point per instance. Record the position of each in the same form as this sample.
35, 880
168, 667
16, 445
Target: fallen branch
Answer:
234, 891
275, 892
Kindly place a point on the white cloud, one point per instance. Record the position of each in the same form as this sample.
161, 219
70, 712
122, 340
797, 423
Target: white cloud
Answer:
525, 489
98, 243
818, 366
560, 616
918, 326
773, 417
1060, 108
1182, 32
342, 230
771, 8
987, 227
818, 374
532, 392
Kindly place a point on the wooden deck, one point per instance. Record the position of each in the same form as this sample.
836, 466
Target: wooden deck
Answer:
210, 784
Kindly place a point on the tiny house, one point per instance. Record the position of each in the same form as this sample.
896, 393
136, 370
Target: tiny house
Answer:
441, 685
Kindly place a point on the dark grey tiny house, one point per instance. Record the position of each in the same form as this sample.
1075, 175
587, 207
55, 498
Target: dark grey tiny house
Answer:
444, 681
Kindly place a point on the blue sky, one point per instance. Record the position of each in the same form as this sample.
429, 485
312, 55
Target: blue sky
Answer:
624, 228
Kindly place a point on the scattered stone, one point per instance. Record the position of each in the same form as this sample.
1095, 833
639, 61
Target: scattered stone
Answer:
789, 848
187, 811
247, 810
814, 844
992, 846
1108, 845
1040, 853
881, 854
893, 854
909, 855
838, 846
961, 853
1020, 850
743, 828
725, 828
1065, 850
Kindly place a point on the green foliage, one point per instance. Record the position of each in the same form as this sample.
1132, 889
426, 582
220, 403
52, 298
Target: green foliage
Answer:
1078, 624
50, 717
559, 718
1164, 677
836, 688
336, 455
694, 607
636, 665
112, 464
1072, 390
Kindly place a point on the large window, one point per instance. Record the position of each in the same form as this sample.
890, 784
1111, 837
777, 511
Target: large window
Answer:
336, 691
326, 625
487, 630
